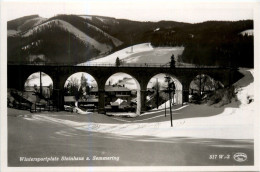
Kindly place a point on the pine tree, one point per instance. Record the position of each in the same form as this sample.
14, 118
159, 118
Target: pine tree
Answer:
172, 63
117, 62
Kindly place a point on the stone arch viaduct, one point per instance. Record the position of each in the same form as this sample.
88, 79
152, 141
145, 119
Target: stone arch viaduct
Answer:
17, 75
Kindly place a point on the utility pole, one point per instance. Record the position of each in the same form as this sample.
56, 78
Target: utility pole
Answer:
170, 101
40, 82
168, 79
200, 85
157, 93
165, 108
172, 90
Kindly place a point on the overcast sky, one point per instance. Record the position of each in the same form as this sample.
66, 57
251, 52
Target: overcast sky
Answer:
141, 10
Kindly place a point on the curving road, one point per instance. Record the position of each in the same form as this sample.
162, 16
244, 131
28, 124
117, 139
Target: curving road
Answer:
33, 137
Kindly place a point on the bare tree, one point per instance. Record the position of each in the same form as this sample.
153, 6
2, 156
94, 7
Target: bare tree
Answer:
72, 86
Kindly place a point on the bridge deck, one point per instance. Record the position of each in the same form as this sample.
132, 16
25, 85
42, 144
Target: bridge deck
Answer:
144, 65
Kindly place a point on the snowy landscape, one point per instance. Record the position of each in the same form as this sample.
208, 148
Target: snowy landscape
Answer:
163, 93
140, 54
236, 120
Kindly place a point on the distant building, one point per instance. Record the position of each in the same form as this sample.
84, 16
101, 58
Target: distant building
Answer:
116, 96
89, 102
117, 91
113, 92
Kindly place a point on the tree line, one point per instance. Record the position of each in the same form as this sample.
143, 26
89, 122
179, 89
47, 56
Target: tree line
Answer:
211, 43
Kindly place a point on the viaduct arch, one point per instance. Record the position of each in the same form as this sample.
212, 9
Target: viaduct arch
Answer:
178, 86
17, 75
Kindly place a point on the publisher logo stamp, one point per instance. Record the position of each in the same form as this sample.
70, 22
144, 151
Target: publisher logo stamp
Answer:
240, 157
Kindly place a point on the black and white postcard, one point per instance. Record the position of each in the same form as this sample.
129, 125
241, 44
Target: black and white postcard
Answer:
111, 85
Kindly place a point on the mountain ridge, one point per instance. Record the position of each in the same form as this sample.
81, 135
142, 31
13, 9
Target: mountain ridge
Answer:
217, 42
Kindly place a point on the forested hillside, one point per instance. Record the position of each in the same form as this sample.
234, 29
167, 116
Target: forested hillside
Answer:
211, 43
79, 38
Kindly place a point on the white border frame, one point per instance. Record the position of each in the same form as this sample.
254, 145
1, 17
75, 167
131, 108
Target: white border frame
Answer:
255, 5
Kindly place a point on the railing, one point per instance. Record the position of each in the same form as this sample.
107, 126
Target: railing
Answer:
159, 65
127, 65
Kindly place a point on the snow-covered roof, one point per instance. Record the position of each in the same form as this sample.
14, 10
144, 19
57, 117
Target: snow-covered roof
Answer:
120, 101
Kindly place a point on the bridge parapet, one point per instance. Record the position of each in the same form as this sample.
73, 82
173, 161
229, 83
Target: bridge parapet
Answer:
144, 65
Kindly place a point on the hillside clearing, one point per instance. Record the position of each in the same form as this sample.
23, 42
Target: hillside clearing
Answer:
141, 53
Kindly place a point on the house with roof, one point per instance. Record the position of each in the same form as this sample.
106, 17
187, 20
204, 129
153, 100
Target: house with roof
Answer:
115, 96
113, 92
88, 102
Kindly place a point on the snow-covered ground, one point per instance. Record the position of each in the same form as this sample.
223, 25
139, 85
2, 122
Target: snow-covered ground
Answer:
245, 86
249, 32
121, 54
166, 104
86, 17
232, 123
141, 53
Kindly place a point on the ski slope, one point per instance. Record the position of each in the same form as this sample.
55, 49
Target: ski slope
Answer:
140, 53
